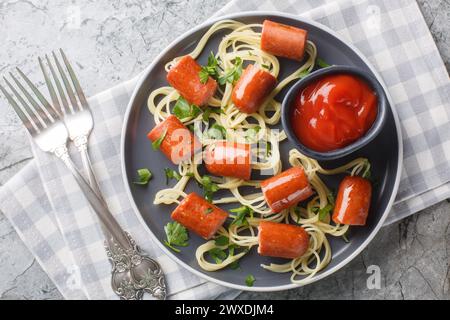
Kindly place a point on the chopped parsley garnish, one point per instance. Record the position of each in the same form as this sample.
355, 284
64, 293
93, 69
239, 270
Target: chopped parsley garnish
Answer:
321, 63
265, 66
217, 132
210, 110
183, 109
234, 265
233, 74
217, 254
241, 215
251, 133
324, 212
211, 69
222, 241
176, 235
144, 176
157, 143
250, 280
209, 210
171, 174
209, 187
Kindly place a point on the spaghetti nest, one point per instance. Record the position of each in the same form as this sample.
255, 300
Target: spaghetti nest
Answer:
241, 45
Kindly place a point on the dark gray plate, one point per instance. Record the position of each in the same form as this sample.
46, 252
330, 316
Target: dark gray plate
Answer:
385, 153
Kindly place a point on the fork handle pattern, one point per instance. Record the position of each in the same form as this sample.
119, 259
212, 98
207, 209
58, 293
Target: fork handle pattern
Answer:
133, 273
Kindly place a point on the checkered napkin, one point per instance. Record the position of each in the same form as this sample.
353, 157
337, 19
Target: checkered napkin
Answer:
52, 217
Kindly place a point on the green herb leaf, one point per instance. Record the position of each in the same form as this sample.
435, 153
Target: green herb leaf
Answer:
176, 235
183, 109
171, 174
234, 265
241, 215
265, 66
251, 133
222, 241
321, 63
250, 280
204, 75
217, 132
157, 143
231, 248
144, 176
324, 212
233, 74
209, 210
207, 112
209, 187
211, 69
217, 254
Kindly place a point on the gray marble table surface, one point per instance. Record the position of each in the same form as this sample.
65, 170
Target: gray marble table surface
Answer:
113, 40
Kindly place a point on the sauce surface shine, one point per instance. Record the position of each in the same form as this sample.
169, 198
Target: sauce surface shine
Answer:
334, 111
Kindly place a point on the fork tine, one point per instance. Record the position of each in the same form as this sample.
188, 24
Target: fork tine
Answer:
40, 111
32, 113
49, 84
75, 82
62, 95
54, 115
69, 90
31, 127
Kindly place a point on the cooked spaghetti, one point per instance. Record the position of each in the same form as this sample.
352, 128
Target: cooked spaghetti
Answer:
241, 45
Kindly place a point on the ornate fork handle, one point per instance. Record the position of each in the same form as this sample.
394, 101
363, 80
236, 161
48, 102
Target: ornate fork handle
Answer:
133, 273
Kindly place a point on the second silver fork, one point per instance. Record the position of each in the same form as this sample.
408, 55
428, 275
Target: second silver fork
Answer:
77, 116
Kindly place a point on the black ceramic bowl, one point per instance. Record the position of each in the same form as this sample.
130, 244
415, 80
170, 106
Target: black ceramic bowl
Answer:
288, 105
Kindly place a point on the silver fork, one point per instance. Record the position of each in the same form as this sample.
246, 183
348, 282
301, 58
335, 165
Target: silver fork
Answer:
77, 117
133, 273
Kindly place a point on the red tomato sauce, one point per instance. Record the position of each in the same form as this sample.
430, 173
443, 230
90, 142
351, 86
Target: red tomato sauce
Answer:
333, 112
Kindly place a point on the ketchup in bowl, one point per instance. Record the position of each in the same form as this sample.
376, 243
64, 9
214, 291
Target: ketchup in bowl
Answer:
334, 111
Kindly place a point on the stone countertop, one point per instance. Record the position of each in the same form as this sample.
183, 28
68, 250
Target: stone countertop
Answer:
112, 41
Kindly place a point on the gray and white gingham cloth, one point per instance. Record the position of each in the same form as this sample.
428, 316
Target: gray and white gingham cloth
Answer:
49, 212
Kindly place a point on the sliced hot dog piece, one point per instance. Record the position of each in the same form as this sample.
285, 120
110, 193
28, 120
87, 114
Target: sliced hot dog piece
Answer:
229, 159
283, 40
282, 240
352, 201
252, 89
184, 77
199, 216
178, 143
286, 189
